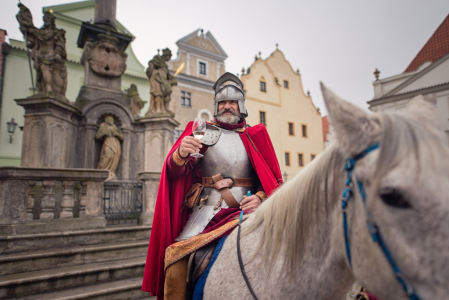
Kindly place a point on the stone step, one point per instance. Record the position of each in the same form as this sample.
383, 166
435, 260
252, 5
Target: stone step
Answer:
64, 257
36, 282
116, 290
34, 242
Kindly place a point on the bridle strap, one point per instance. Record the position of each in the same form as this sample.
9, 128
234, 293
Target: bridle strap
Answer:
372, 227
242, 267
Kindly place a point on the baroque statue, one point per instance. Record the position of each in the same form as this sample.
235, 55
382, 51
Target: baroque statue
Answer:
134, 98
48, 51
161, 82
111, 150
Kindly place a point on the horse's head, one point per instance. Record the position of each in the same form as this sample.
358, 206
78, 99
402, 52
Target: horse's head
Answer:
406, 182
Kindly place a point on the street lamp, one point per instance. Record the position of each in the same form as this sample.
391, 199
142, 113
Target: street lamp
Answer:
11, 128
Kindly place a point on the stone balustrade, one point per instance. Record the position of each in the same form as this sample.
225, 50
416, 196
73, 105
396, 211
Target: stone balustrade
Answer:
50, 199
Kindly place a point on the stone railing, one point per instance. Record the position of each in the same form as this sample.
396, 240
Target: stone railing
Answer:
35, 199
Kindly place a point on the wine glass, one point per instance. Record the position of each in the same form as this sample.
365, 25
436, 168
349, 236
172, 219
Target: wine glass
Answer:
199, 129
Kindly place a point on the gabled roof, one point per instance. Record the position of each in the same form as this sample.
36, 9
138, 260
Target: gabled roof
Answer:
185, 43
435, 48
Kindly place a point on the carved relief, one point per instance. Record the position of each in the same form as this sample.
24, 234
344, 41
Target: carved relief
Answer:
36, 144
104, 56
58, 145
16, 200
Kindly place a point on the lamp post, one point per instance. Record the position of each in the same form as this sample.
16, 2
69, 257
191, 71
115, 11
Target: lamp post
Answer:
11, 128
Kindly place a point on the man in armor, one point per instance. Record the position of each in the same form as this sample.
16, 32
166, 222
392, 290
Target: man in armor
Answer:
202, 195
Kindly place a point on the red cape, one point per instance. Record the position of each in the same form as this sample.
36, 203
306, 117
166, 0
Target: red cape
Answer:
169, 219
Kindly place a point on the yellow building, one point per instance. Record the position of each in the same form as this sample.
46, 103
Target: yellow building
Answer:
276, 98
203, 61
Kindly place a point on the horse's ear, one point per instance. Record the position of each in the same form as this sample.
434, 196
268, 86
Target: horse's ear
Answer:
355, 129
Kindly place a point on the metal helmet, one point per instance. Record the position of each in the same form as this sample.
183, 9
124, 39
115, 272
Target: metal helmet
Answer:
229, 87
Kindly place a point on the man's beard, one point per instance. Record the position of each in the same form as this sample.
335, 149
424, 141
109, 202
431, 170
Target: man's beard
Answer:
232, 118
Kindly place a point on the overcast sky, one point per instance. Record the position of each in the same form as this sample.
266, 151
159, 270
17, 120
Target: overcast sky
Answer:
339, 42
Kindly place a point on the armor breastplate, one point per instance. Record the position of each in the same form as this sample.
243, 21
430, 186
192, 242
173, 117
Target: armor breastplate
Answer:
228, 157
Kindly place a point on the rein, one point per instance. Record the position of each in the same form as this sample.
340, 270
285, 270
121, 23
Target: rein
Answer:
239, 255
372, 227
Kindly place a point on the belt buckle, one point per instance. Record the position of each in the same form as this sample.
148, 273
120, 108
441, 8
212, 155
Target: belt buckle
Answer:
229, 177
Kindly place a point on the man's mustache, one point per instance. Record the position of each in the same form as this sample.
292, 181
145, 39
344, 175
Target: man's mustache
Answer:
224, 110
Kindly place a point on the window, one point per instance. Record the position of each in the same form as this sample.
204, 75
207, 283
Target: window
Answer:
300, 159
304, 130
202, 68
291, 129
178, 133
263, 86
286, 84
262, 118
287, 158
185, 99
312, 156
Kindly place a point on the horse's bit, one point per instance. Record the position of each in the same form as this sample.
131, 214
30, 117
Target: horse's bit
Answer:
372, 227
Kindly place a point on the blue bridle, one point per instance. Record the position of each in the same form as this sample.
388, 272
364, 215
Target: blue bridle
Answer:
372, 227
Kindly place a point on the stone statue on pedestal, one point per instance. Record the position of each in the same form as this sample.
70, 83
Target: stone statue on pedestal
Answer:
134, 99
111, 151
47, 51
161, 82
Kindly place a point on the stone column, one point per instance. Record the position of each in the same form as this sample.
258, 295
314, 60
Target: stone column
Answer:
67, 201
89, 146
30, 200
48, 201
150, 187
105, 12
159, 135
126, 154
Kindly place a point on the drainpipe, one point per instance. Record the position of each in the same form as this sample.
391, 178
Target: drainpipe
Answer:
5, 52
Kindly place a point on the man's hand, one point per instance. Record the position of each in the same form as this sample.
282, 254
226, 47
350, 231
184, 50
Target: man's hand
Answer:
189, 145
251, 202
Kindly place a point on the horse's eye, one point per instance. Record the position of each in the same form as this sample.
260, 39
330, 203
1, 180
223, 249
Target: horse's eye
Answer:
394, 197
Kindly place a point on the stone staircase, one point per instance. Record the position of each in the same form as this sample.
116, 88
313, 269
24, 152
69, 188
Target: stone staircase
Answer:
91, 264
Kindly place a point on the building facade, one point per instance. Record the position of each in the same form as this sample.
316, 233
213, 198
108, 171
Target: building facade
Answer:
427, 75
17, 80
275, 97
200, 60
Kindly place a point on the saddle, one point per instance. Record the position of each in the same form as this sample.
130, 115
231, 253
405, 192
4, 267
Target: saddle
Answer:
198, 262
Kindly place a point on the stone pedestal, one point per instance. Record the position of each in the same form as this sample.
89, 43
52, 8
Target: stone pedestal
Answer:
49, 132
159, 138
150, 188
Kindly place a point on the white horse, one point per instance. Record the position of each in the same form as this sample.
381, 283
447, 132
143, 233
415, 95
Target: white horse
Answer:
293, 245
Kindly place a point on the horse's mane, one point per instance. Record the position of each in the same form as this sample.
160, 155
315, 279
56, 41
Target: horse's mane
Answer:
295, 211
289, 215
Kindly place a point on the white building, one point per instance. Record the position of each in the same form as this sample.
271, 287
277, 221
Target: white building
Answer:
427, 75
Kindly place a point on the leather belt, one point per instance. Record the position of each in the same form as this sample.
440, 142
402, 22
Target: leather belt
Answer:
224, 183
